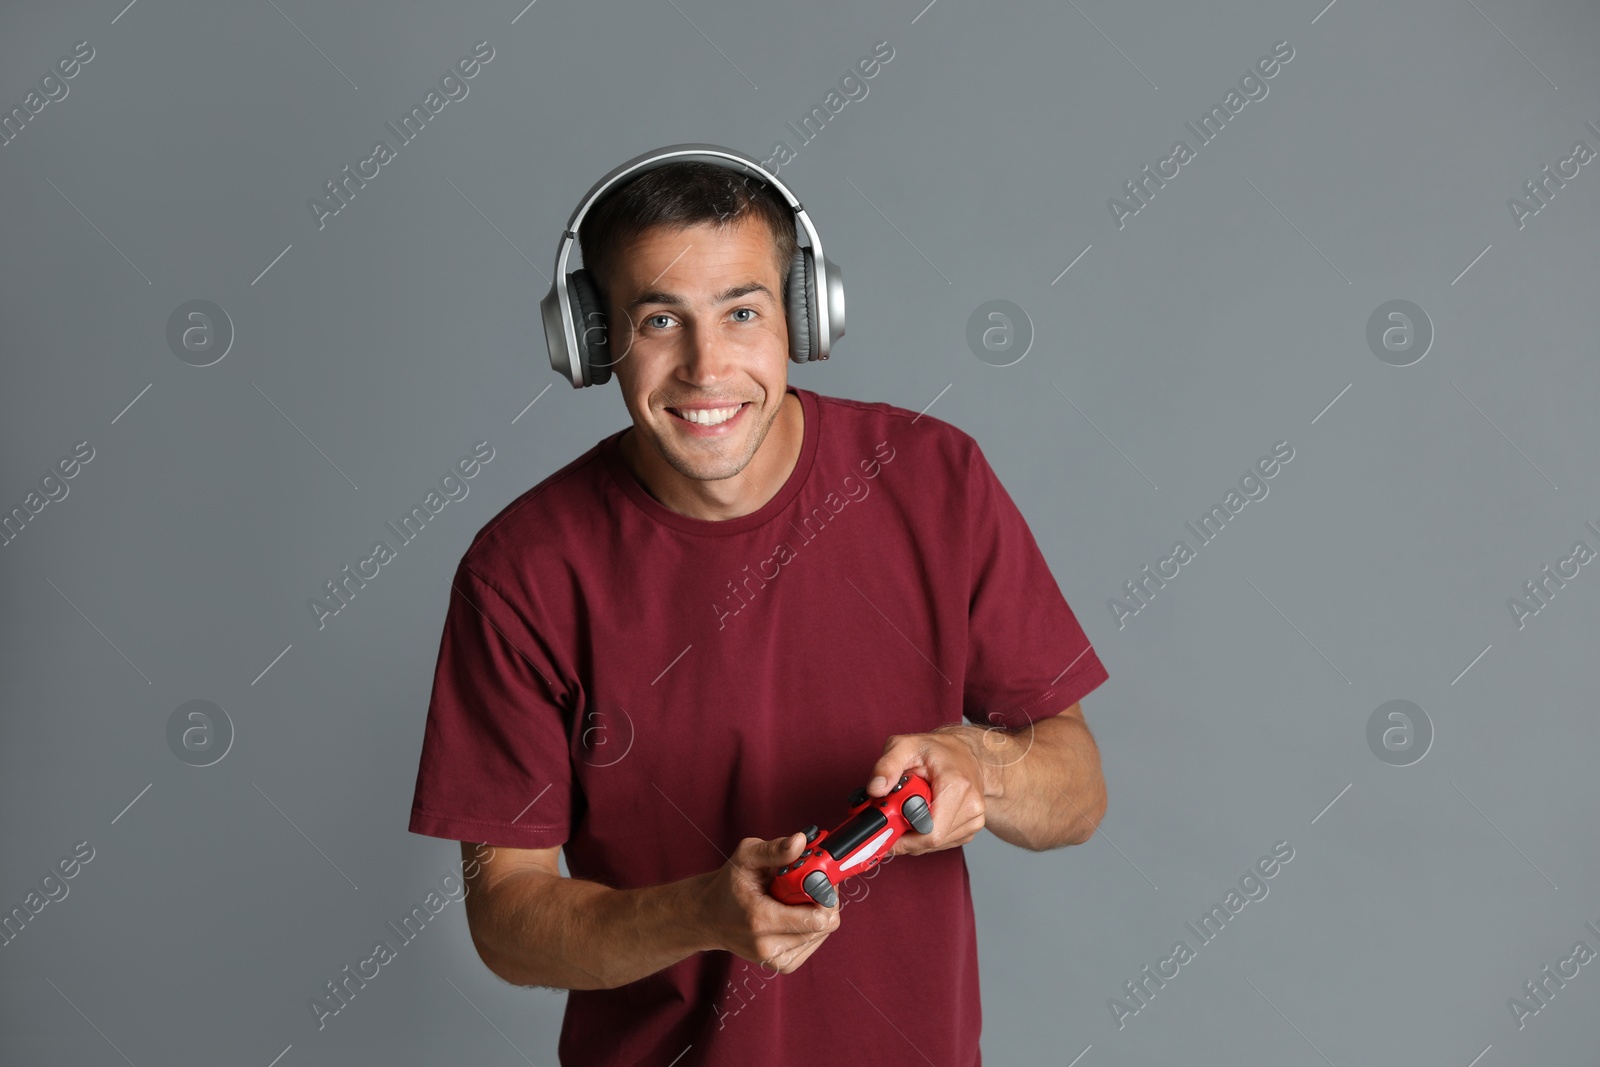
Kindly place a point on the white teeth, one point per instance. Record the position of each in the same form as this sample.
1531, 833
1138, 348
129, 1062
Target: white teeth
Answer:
710, 416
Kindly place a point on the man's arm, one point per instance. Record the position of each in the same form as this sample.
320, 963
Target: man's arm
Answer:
1043, 786
532, 926
1039, 787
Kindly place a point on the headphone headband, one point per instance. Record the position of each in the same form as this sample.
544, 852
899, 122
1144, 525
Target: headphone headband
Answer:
820, 304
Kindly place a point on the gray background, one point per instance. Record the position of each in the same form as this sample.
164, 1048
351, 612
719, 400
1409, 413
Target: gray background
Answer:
1228, 315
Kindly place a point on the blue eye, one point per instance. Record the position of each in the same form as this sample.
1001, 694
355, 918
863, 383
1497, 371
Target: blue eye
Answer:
652, 318
751, 310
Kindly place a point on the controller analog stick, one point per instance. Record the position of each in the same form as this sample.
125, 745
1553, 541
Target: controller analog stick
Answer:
917, 813
819, 889
811, 833
859, 796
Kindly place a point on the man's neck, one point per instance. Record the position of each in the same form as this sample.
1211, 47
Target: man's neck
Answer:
728, 498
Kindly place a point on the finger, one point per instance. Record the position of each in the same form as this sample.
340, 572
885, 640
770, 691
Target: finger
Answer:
780, 850
899, 755
915, 844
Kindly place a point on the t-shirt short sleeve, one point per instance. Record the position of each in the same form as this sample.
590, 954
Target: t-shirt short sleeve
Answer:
1028, 658
496, 766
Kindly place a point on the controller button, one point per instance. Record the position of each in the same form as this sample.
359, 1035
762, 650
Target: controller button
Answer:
811, 833
858, 796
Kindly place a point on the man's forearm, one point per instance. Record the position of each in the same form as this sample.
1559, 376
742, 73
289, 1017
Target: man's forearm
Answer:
543, 929
1043, 786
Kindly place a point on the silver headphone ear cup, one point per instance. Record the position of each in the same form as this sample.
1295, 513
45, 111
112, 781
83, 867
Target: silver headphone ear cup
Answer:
798, 304
590, 328
835, 301
555, 335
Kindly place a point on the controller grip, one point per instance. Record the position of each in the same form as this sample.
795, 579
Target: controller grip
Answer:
917, 813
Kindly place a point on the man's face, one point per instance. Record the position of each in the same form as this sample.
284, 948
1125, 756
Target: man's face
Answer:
697, 322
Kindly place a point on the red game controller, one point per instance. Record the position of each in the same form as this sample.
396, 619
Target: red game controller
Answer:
857, 844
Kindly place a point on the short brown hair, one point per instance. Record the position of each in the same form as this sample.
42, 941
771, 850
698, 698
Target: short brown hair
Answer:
678, 195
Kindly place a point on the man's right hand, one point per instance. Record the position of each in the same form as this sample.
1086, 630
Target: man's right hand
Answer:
743, 918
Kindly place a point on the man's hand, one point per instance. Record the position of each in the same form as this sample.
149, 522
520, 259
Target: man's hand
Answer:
960, 781
741, 916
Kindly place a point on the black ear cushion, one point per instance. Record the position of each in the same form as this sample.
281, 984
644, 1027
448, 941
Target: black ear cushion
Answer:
589, 320
802, 284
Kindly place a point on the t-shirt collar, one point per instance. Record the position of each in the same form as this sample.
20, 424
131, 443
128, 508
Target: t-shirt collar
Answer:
625, 480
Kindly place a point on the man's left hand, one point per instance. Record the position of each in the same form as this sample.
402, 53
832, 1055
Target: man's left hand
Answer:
950, 761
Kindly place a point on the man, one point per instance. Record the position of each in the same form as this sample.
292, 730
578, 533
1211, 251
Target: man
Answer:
711, 628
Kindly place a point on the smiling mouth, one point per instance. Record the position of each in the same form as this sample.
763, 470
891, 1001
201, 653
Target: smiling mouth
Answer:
709, 416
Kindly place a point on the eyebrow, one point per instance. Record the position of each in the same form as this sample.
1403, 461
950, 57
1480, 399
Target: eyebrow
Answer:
661, 296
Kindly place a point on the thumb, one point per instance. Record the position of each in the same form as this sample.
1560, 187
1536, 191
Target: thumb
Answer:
778, 851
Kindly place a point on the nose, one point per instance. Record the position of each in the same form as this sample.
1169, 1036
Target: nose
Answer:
707, 361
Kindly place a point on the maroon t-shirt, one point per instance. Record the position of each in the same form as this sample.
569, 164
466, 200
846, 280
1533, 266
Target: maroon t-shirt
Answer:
645, 689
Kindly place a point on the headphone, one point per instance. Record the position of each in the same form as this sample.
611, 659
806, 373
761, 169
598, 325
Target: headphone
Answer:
815, 291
